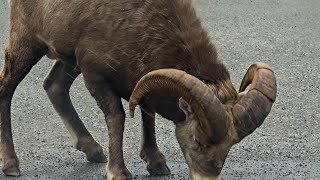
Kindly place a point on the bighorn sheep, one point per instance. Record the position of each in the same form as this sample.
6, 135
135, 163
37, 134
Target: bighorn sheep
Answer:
154, 53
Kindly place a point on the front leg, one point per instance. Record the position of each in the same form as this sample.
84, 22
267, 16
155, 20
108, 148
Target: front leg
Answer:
110, 103
150, 153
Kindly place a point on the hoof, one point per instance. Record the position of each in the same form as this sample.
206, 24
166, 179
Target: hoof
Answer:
98, 158
158, 170
11, 168
119, 175
92, 149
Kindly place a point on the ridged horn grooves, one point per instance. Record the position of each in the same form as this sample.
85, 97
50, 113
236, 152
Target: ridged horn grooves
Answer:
200, 97
251, 110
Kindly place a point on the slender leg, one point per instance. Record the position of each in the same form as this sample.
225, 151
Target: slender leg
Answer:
21, 55
110, 103
57, 85
150, 153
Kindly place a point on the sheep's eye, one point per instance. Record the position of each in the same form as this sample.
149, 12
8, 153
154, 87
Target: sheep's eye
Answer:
200, 145
195, 140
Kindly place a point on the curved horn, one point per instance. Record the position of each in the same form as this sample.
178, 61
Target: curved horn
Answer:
206, 105
251, 110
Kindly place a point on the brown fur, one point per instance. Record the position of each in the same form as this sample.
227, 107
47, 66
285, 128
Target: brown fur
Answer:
113, 43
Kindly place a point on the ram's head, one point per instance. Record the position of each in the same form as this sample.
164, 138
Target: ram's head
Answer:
212, 127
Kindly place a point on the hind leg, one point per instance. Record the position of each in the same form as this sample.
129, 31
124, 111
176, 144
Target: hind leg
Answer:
57, 85
21, 55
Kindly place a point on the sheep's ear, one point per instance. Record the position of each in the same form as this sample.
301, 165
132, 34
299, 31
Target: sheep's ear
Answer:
186, 108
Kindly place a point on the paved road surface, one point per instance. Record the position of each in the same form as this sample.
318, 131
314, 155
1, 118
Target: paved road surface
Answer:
282, 33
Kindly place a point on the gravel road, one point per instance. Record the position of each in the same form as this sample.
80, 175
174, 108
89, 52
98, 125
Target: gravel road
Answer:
283, 33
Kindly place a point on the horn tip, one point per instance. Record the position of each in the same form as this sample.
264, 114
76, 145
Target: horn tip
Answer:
131, 109
131, 113
261, 65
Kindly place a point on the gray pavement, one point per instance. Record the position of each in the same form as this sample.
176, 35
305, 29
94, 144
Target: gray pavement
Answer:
282, 33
